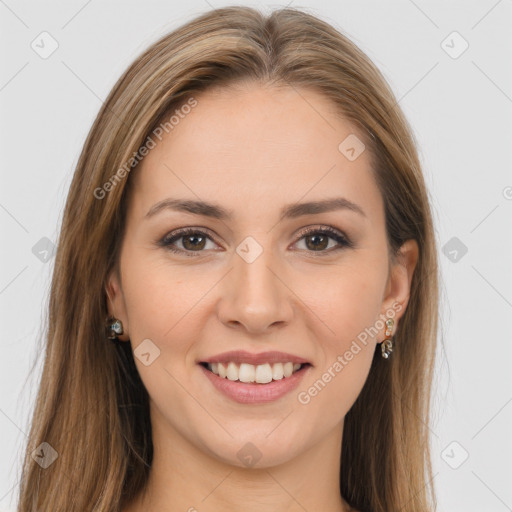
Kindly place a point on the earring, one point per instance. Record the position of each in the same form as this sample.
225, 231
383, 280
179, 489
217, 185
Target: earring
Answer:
114, 327
387, 344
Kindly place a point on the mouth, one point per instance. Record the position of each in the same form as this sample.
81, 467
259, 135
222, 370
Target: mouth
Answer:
255, 384
255, 374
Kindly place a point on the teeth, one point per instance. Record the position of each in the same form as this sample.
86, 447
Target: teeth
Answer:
277, 371
247, 373
232, 371
261, 374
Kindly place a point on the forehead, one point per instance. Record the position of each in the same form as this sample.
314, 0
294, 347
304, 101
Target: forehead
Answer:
255, 146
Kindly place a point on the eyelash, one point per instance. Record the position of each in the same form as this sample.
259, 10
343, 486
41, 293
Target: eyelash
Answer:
343, 240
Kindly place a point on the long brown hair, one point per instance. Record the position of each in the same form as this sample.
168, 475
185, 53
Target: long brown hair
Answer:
92, 407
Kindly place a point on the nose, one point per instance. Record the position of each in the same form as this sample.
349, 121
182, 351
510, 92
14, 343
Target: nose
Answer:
255, 296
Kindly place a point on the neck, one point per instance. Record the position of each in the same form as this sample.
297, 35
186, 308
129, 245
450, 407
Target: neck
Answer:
184, 477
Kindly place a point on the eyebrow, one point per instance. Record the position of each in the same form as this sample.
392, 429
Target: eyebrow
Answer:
291, 211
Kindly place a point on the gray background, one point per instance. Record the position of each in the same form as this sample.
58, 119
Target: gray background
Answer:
460, 107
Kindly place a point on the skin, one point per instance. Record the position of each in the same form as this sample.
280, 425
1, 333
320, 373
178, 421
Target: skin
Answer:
252, 150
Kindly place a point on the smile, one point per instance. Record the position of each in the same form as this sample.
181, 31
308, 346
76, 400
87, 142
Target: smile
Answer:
255, 391
261, 373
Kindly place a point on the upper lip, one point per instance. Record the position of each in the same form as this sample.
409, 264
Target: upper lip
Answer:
242, 356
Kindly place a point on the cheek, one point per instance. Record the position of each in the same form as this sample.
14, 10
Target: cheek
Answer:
166, 302
345, 298
172, 304
161, 299
163, 306
346, 302
328, 397
347, 316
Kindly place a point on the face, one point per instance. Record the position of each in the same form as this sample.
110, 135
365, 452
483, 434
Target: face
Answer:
313, 284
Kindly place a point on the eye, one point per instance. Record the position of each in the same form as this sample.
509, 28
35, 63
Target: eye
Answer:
317, 239
194, 240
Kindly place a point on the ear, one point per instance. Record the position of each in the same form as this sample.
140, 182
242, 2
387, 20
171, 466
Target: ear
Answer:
398, 287
115, 302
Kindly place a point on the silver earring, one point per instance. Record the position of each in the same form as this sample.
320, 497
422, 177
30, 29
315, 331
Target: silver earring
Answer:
387, 344
114, 327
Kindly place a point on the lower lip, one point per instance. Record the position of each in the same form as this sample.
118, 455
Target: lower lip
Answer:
253, 393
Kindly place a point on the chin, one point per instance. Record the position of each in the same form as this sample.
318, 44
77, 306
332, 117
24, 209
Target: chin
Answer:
258, 451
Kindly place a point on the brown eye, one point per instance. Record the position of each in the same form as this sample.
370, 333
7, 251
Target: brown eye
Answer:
317, 240
192, 240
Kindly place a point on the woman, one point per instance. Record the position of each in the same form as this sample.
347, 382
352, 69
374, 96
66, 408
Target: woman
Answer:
244, 308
